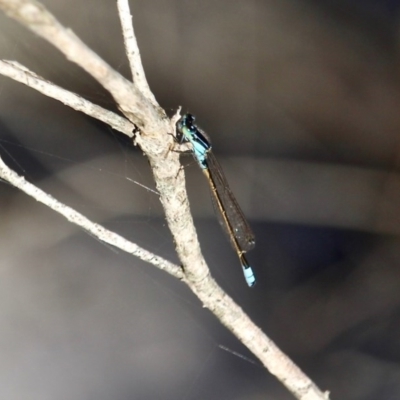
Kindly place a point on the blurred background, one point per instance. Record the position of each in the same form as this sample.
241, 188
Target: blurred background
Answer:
301, 99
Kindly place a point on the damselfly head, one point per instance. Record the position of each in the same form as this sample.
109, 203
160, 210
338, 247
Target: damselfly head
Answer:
189, 118
185, 128
187, 121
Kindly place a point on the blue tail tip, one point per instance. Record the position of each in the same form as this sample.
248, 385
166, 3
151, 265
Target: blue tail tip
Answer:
249, 276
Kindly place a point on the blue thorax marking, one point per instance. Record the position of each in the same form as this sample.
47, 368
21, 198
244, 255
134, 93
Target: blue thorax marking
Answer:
190, 133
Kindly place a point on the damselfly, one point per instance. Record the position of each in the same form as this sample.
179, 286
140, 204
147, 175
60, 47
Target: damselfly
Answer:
228, 212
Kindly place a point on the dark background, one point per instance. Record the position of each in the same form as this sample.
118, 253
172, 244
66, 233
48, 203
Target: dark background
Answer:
302, 101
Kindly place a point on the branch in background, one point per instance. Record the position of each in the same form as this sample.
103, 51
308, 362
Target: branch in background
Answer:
139, 105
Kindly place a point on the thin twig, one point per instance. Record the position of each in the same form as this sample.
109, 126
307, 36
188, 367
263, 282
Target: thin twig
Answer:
132, 51
22, 74
96, 230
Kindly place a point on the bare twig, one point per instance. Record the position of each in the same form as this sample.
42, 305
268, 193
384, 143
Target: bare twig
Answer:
78, 219
22, 74
132, 51
155, 140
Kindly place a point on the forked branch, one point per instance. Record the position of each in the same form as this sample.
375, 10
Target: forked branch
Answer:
154, 136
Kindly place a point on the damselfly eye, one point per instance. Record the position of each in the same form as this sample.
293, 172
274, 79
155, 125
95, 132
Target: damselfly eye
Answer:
190, 118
